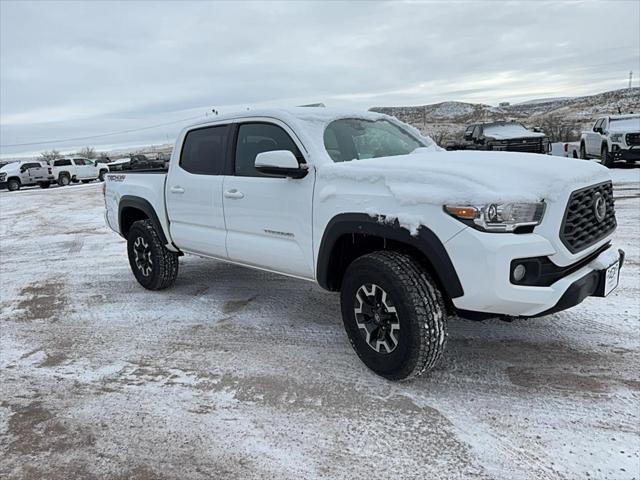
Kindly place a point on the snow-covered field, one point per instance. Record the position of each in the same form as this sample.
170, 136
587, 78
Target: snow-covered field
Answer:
237, 373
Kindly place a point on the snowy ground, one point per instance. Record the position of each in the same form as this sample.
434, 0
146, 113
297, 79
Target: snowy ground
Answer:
242, 374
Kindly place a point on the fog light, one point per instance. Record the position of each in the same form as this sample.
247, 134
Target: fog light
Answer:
519, 272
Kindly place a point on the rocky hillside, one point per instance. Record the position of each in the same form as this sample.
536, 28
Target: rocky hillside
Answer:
446, 120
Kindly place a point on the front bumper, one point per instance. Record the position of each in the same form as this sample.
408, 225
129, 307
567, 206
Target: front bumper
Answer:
3, 185
483, 262
630, 154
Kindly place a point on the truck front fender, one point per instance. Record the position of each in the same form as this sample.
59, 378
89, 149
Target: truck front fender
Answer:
425, 245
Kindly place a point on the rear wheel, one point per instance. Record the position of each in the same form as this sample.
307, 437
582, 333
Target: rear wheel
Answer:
394, 314
154, 266
101, 175
85, 181
13, 185
605, 158
64, 180
583, 152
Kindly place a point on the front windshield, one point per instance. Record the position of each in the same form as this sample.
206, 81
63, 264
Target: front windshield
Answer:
358, 139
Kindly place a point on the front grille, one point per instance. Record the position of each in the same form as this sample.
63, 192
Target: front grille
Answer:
633, 138
533, 145
580, 227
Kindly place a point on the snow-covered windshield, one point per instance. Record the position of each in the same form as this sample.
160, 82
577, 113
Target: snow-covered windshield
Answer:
357, 139
632, 123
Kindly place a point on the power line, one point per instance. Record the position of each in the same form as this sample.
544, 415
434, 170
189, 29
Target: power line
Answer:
100, 135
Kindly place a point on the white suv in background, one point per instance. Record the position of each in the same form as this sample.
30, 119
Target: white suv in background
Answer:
25, 173
67, 170
613, 138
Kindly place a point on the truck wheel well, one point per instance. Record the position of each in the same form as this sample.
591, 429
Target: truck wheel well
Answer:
128, 216
16, 179
351, 246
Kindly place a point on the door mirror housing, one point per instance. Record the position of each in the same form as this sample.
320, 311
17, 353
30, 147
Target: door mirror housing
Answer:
280, 163
597, 129
468, 137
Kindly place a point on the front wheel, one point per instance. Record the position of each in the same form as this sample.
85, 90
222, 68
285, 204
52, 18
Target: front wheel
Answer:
154, 266
13, 185
101, 175
394, 314
44, 185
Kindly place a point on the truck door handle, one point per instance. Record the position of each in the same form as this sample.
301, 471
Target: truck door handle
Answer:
233, 193
177, 189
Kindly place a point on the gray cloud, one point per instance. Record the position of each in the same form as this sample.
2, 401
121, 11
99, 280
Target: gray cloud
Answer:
72, 69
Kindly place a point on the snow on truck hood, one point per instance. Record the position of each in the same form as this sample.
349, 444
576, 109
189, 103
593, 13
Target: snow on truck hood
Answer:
470, 177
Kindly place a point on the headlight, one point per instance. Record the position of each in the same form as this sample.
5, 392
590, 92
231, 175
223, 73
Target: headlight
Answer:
3, 176
616, 137
505, 217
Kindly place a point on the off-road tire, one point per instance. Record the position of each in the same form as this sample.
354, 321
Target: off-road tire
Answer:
605, 158
13, 185
64, 180
420, 308
101, 175
44, 184
164, 262
583, 152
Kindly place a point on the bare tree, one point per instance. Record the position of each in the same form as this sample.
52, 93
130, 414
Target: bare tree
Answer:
88, 152
50, 156
559, 130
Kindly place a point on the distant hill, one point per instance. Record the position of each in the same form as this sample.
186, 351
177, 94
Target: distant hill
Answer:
446, 120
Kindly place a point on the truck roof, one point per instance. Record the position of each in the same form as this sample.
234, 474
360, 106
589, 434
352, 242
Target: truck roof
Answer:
308, 123
321, 114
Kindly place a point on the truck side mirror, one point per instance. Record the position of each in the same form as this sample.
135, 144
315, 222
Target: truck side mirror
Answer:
597, 129
280, 163
468, 137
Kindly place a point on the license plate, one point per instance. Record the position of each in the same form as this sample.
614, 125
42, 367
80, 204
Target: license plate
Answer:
611, 278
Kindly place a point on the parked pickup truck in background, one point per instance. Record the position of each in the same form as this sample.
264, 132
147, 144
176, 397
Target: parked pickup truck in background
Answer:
366, 206
612, 138
138, 162
25, 173
67, 170
501, 136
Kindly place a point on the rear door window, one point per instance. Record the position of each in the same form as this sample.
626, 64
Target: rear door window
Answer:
204, 150
62, 163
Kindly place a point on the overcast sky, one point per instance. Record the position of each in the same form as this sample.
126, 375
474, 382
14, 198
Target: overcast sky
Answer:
75, 69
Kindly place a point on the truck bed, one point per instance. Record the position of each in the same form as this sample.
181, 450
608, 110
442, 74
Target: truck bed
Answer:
143, 186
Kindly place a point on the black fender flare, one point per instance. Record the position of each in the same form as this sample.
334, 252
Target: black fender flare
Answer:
139, 203
425, 241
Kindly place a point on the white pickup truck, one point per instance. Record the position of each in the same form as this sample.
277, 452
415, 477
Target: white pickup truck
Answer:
79, 169
365, 205
612, 138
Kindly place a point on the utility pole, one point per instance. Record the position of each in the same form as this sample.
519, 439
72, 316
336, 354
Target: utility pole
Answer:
630, 77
